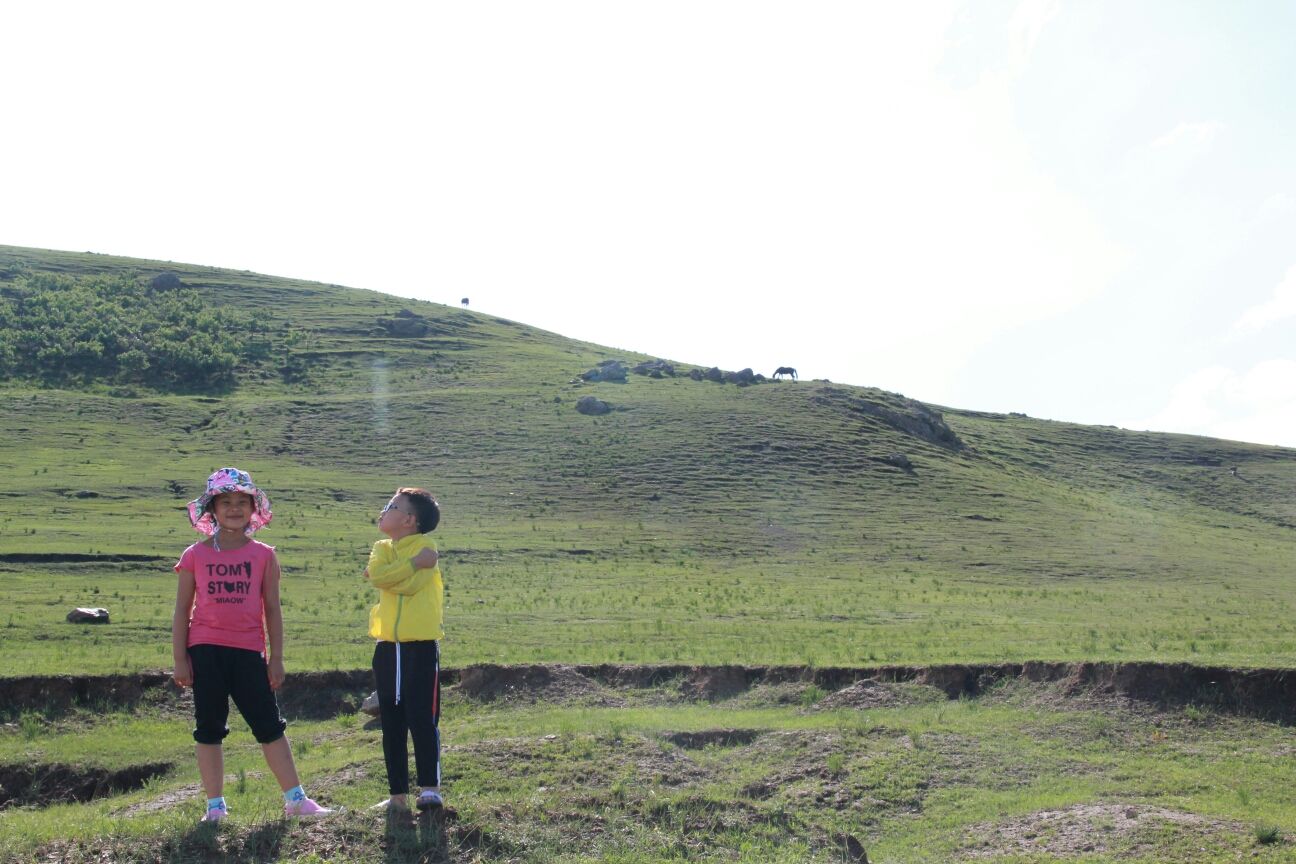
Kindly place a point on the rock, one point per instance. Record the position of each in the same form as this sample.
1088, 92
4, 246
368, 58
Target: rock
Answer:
370, 704
713, 374
742, 378
899, 460
167, 281
592, 406
696, 374
608, 370
85, 493
88, 615
405, 325
654, 368
907, 415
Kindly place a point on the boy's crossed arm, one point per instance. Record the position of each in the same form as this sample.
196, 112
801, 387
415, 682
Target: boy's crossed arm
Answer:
404, 575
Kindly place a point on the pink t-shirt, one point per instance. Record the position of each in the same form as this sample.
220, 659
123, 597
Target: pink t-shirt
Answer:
227, 608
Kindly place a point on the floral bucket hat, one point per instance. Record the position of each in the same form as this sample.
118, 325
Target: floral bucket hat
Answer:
229, 480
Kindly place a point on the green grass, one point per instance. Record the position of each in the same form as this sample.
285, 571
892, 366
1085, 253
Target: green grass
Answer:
927, 781
563, 564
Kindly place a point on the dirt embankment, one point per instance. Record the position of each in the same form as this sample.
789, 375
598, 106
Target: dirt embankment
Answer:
44, 784
1268, 694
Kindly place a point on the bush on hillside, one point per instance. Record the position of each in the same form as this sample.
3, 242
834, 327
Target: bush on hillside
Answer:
66, 331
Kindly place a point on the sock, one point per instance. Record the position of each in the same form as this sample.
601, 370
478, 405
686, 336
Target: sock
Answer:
216, 803
297, 793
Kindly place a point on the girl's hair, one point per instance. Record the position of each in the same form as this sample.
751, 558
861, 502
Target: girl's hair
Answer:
426, 509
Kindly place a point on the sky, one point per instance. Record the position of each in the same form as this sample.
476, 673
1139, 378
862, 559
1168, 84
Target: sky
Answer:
1082, 211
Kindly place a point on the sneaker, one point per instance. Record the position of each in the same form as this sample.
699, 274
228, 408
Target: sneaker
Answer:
215, 814
392, 806
305, 809
429, 800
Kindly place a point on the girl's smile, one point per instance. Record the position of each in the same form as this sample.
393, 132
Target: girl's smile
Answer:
232, 510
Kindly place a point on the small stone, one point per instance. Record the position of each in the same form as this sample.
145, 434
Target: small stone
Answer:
88, 615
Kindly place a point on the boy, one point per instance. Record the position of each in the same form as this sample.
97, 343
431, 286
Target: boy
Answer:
406, 662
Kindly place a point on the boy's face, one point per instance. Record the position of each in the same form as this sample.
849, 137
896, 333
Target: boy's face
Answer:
397, 517
233, 510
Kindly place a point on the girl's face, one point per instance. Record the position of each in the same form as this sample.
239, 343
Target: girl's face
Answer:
233, 510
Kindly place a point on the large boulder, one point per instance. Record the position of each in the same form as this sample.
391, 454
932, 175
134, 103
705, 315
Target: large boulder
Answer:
714, 374
592, 406
907, 415
406, 325
167, 281
608, 370
88, 615
742, 377
654, 369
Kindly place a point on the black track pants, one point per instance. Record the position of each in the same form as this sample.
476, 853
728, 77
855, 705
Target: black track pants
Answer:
418, 713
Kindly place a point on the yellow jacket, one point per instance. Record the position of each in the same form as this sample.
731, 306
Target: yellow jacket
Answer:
409, 600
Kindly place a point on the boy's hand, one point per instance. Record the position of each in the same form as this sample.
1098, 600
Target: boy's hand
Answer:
275, 670
182, 675
425, 559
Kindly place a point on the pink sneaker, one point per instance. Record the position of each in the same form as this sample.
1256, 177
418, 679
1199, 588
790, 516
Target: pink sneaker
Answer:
305, 809
215, 814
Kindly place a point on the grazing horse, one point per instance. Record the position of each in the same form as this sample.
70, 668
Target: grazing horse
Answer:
785, 370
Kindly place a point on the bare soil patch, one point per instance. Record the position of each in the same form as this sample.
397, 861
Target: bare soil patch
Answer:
773, 695
871, 693
1084, 829
559, 684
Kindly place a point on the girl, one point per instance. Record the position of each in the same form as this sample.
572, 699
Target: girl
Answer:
226, 601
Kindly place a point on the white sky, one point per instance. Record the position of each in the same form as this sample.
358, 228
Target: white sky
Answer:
1079, 210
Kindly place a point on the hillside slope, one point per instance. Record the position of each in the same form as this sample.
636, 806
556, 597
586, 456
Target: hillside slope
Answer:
697, 521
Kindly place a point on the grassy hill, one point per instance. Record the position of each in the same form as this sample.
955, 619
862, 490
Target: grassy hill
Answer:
807, 524
696, 522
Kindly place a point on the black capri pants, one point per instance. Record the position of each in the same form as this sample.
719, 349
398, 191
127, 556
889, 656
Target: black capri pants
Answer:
221, 672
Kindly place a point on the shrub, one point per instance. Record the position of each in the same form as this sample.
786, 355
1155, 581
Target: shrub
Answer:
1266, 834
68, 331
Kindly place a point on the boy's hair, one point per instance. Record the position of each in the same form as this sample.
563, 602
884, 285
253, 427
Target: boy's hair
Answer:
426, 509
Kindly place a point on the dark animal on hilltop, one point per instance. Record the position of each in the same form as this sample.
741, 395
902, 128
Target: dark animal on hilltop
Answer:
785, 370
464, 301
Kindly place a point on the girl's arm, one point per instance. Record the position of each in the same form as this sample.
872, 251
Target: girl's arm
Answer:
183, 674
274, 622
